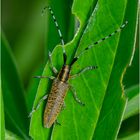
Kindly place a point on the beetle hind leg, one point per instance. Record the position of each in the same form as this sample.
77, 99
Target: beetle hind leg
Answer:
57, 122
37, 107
75, 96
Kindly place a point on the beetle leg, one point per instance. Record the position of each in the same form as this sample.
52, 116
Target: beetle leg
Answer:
63, 106
82, 71
55, 71
39, 103
57, 123
75, 96
49, 77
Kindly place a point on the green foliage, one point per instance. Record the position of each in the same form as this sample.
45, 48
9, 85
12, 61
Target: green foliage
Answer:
132, 107
101, 90
102, 94
134, 136
13, 94
11, 136
2, 127
129, 128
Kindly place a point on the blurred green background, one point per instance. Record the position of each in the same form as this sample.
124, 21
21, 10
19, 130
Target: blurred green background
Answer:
30, 35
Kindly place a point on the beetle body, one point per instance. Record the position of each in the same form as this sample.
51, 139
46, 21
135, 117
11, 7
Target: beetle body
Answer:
56, 96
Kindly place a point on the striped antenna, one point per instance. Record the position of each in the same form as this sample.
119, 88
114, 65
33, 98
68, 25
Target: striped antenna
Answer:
56, 24
103, 39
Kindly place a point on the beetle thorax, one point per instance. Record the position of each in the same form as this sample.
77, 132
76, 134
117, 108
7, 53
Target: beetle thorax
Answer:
64, 73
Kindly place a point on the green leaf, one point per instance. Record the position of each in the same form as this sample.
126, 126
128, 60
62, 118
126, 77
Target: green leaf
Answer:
33, 89
131, 137
2, 120
129, 124
132, 91
132, 107
131, 76
11, 136
101, 90
13, 95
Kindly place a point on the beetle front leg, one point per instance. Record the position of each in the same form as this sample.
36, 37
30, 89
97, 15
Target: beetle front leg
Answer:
55, 71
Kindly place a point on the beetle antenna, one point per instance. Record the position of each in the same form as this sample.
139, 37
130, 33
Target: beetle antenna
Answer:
59, 31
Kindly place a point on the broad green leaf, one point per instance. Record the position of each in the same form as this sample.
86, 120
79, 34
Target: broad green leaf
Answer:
132, 107
13, 95
129, 126
11, 136
2, 120
131, 137
101, 90
132, 91
131, 76
122, 60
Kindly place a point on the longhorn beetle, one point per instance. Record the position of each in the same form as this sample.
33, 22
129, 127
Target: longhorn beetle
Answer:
60, 83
